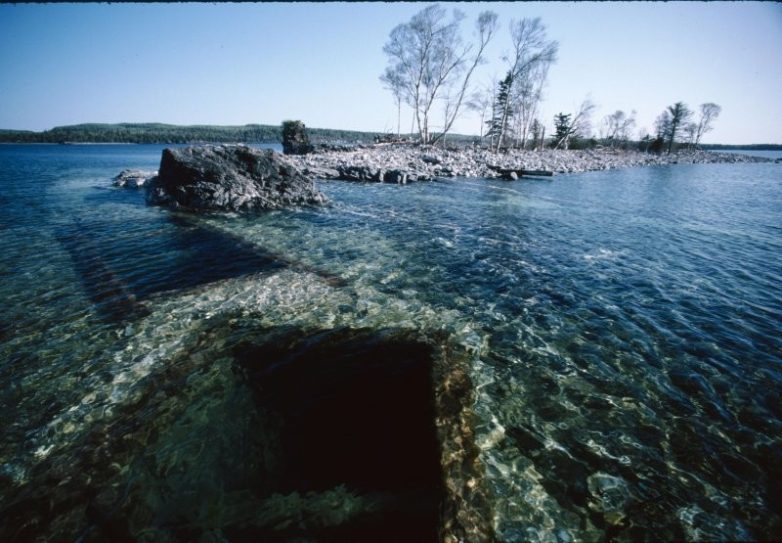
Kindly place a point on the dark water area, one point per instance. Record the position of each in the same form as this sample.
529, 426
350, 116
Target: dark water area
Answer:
624, 327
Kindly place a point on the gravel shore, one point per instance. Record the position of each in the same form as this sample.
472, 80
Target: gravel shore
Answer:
407, 163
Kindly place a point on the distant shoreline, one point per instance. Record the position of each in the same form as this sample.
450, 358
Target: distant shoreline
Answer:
79, 143
707, 147
169, 134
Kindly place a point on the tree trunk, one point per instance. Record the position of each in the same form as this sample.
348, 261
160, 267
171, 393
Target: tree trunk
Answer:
398, 118
673, 135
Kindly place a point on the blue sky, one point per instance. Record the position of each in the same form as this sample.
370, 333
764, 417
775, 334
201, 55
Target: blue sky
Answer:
320, 62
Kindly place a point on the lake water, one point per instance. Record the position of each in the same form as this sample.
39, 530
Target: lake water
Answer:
624, 329
773, 155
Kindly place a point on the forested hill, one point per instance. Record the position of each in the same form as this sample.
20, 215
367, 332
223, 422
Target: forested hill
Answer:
168, 133
752, 147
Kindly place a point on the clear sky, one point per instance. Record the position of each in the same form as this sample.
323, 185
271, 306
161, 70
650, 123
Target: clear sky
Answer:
263, 63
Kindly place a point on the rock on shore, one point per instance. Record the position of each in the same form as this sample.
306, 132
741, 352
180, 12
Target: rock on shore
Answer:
230, 178
407, 163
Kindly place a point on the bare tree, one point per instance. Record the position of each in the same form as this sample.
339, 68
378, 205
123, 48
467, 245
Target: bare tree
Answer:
579, 126
709, 112
486, 26
527, 98
531, 49
427, 58
393, 81
690, 131
481, 102
617, 126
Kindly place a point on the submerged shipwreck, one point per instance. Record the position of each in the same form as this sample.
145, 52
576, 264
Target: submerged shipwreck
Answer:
251, 420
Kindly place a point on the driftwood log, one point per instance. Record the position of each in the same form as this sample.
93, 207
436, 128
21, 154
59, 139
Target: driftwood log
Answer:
515, 173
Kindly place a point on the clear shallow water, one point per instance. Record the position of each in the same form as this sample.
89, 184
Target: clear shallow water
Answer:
625, 330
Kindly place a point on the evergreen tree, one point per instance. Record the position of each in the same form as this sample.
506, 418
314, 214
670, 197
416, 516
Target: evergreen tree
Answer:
679, 115
502, 115
562, 128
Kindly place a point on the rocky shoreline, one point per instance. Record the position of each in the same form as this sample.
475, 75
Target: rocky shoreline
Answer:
401, 163
389, 163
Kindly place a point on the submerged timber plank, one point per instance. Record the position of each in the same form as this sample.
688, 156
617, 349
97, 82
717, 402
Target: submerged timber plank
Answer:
329, 278
191, 255
113, 298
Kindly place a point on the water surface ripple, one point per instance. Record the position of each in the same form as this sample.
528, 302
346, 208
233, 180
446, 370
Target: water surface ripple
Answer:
627, 324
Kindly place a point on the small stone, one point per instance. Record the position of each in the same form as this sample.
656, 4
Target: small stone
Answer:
133, 178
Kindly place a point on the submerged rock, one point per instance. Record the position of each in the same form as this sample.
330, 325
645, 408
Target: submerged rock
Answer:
133, 178
230, 178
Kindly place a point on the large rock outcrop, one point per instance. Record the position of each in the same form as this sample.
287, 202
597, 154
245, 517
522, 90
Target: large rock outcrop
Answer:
230, 178
295, 140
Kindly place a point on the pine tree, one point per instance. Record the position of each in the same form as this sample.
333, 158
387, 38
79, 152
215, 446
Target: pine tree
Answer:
562, 128
501, 116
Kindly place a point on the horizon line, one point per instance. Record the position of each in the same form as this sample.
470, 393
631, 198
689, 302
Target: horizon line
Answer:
280, 123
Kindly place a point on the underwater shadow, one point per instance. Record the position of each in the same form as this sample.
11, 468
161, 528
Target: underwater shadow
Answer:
275, 434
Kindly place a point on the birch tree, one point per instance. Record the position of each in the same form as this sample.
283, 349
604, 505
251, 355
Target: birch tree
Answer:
690, 131
481, 103
393, 82
527, 100
486, 26
580, 125
708, 113
531, 54
617, 126
428, 60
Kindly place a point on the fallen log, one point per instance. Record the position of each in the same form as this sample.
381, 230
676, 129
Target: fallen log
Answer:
518, 172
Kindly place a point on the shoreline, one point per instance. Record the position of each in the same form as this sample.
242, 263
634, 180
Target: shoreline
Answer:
405, 163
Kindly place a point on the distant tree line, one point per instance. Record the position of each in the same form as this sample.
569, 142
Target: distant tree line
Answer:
166, 133
750, 147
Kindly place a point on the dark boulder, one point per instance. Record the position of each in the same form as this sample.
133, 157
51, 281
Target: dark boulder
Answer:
229, 178
318, 172
358, 173
295, 140
395, 176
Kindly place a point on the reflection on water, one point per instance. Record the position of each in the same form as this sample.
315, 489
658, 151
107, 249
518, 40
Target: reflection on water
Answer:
623, 328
